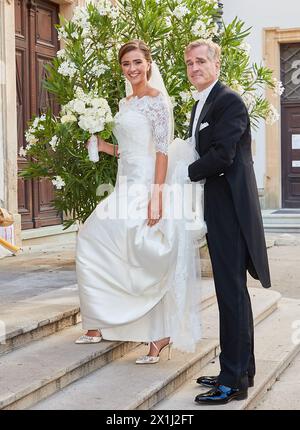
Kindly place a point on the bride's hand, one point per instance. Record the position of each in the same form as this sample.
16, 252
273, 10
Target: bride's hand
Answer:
154, 210
100, 142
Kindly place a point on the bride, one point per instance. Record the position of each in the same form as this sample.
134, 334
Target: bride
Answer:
136, 262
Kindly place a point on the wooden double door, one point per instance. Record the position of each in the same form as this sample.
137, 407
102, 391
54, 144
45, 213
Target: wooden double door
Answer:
36, 44
290, 125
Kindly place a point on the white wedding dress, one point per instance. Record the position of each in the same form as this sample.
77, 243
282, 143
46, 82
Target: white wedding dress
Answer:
141, 283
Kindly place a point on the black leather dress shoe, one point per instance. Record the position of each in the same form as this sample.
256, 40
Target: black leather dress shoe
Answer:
221, 395
211, 381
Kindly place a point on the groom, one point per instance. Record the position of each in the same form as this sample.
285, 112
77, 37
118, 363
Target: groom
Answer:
220, 128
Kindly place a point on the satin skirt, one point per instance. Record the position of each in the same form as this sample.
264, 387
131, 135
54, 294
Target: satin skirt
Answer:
138, 283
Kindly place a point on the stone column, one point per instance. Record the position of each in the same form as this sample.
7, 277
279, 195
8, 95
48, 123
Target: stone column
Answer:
8, 115
2, 113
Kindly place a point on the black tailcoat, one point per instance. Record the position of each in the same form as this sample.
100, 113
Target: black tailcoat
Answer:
225, 150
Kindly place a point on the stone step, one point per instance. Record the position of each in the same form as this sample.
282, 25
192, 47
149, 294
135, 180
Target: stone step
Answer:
281, 228
32, 319
281, 221
40, 316
53, 235
284, 394
37, 320
274, 351
107, 388
281, 216
45, 366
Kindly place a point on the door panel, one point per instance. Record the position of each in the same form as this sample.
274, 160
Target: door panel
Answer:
290, 125
291, 156
36, 44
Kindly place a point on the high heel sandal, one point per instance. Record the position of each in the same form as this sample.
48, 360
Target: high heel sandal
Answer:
88, 339
150, 359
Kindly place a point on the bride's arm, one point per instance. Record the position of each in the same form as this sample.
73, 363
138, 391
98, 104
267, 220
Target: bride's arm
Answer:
160, 117
155, 204
106, 147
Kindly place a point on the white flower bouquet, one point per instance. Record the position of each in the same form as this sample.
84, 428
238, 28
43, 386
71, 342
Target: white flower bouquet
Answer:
92, 114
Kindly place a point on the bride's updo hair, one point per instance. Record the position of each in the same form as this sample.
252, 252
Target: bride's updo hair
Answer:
136, 44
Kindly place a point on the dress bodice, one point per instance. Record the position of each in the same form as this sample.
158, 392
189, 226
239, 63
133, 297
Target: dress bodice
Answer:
142, 126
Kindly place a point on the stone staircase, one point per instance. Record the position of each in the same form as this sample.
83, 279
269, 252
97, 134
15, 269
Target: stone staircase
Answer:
274, 353
281, 220
42, 368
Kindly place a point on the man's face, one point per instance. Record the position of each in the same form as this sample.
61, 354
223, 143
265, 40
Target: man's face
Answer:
202, 71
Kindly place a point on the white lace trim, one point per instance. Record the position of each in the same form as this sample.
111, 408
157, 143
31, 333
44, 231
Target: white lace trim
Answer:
157, 111
185, 285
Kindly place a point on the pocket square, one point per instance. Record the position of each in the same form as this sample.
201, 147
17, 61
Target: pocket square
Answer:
203, 125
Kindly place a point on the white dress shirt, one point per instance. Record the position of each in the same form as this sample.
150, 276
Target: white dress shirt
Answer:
202, 97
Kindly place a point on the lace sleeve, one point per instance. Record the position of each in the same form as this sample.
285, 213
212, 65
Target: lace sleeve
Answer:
160, 125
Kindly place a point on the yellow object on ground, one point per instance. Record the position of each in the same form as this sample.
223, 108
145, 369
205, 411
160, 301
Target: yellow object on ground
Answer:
9, 246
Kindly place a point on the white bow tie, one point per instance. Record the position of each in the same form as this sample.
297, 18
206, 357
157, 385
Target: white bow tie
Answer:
199, 96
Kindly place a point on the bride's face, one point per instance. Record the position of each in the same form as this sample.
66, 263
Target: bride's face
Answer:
135, 67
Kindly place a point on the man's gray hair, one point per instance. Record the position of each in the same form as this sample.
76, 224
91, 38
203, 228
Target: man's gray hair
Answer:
214, 50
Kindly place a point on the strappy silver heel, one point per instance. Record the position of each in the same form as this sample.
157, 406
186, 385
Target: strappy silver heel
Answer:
149, 359
88, 339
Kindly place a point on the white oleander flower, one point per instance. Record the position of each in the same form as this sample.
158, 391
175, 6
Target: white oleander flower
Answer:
61, 54
36, 122
99, 69
67, 68
23, 152
199, 29
185, 96
30, 138
214, 3
58, 182
53, 142
249, 100
272, 116
114, 13
188, 119
62, 34
105, 7
110, 55
245, 47
87, 42
81, 17
180, 11
237, 87
279, 88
